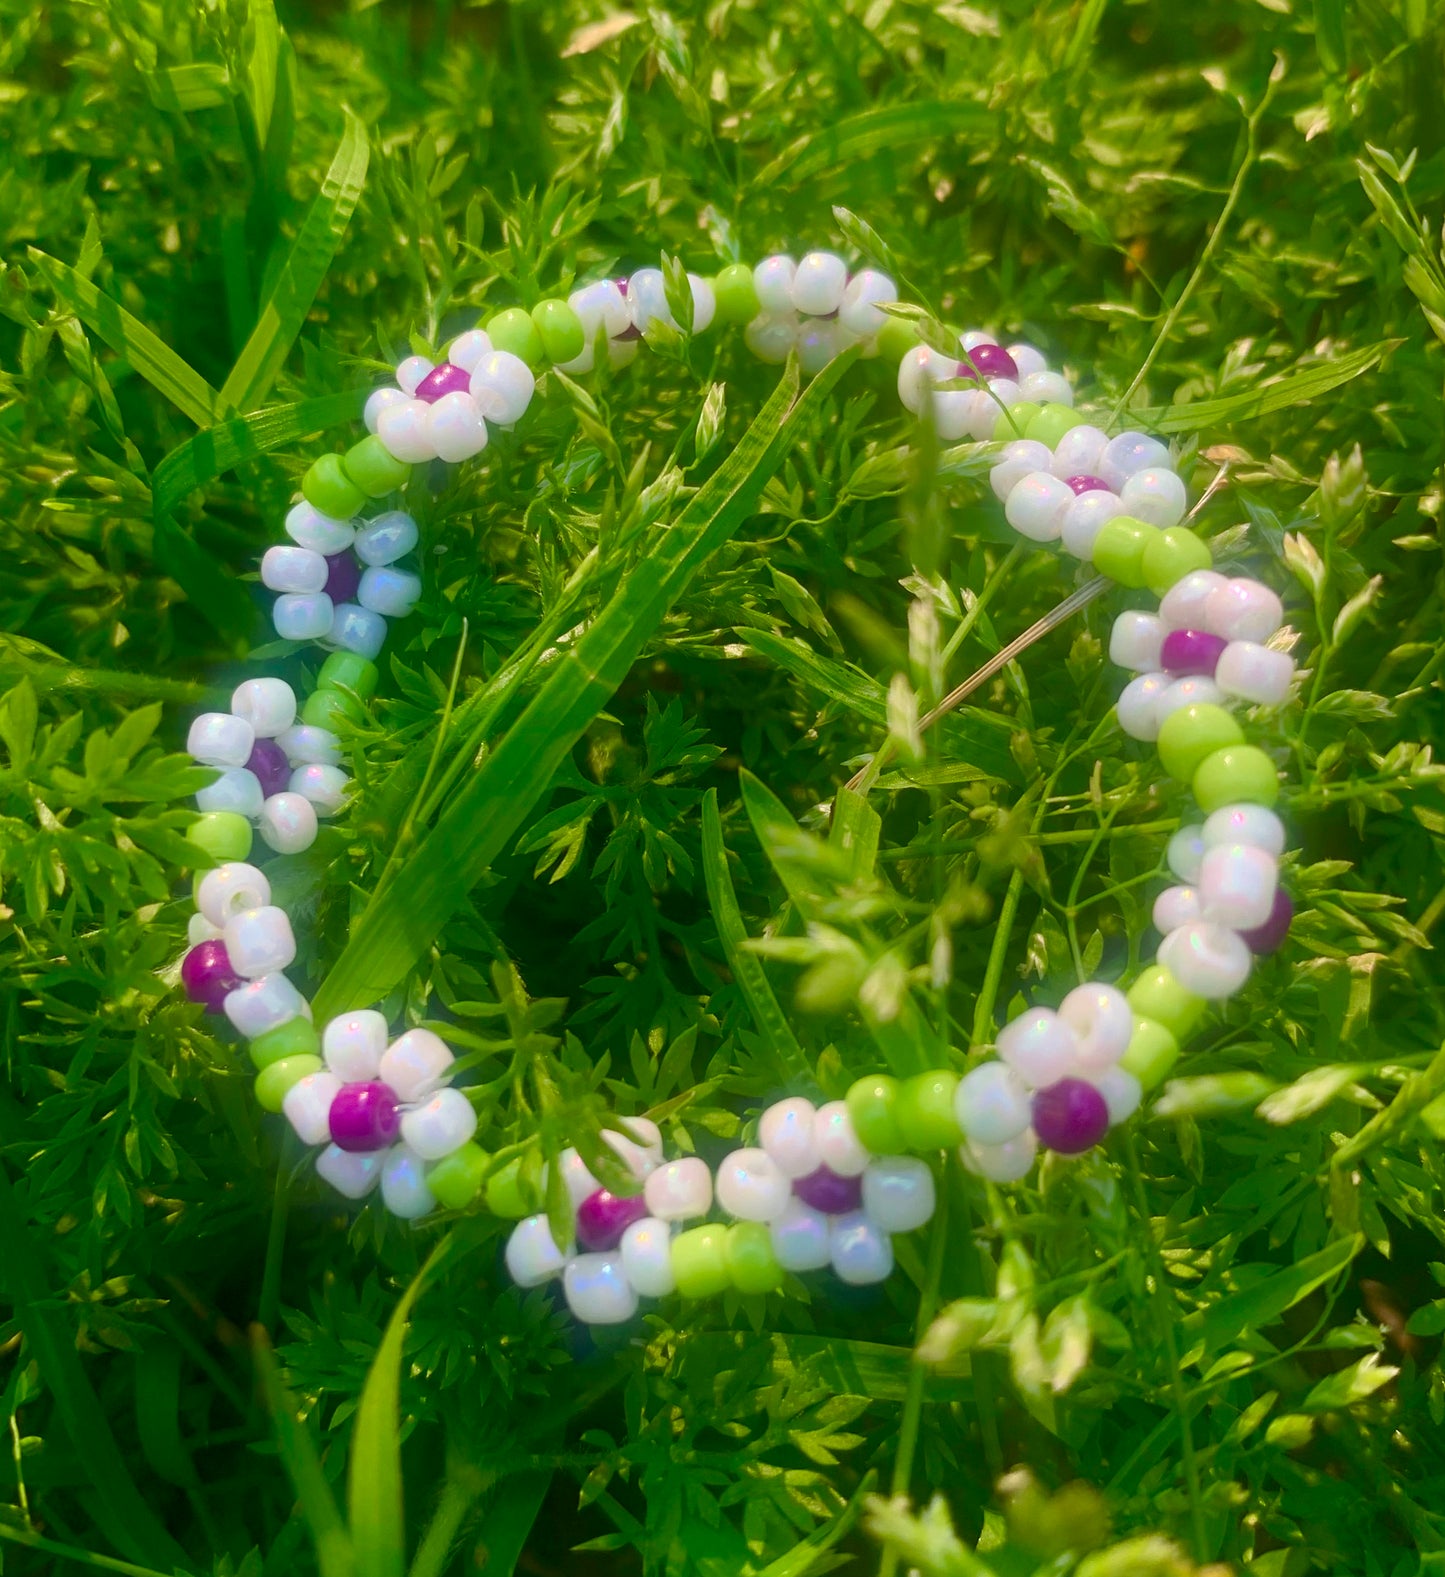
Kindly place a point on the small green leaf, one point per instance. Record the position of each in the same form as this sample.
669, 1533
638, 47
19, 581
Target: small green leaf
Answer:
1350, 1385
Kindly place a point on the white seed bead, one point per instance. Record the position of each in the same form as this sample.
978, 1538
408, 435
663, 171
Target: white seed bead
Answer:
1209, 960
387, 538
1183, 606
456, 428
307, 1106
819, 341
352, 1174
353, 1045
1156, 497
231, 889
259, 941
411, 371
287, 823
622, 351
1237, 885
326, 787
955, 411
788, 1133
1137, 706
303, 742
801, 1237
1085, 518
1001, 1163
598, 1291
1028, 360
679, 1190
303, 616
440, 1124
603, 305
1017, 460
839, 1148
293, 569
235, 790
577, 1179
1194, 690
532, 1256
647, 301
264, 1004
751, 1186
380, 400
983, 417
1047, 388
1039, 1047
390, 591
1255, 673
1136, 641
641, 1156
309, 528
898, 1193
704, 303
356, 629
971, 339
918, 370
991, 1103
1122, 1093
1174, 907
268, 705
861, 1252
1252, 824
772, 336
502, 386
859, 312
1036, 505
405, 432
819, 282
1243, 610
218, 739
1130, 453
646, 1251
1184, 854
199, 929
466, 350
404, 1189
1079, 452
1102, 1022
415, 1064
773, 282
1005, 392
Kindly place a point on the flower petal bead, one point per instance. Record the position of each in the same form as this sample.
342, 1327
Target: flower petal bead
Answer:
404, 1189
353, 1045
309, 528
839, 1147
1017, 460
235, 790
302, 616
1046, 388
1001, 1163
1155, 495
1184, 854
640, 1155
898, 1193
1027, 359
1184, 606
1036, 504
819, 341
600, 305
1039, 1046
971, 339
919, 370
268, 705
263, 1005
771, 336
502, 386
415, 1064
1194, 690
306, 1106
1174, 907
1243, 610
259, 941
1138, 706
751, 1186
1237, 884
787, 1133
466, 350
303, 743
1084, 519
819, 282
1130, 453
1211, 961
389, 591
1079, 452
405, 430
411, 371
1250, 672
440, 1124
352, 1176
991, 1103
230, 889
1122, 1093
1070, 1116
679, 1190
646, 1254
1251, 824
859, 313
293, 569
577, 1179
532, 1255
386, 539
219, 739
800, 1237
773, 281
357, 629
455, 427
1102, 1022
860, 1250
287, 823
1136, 641
325, 787
954, 412
380, 400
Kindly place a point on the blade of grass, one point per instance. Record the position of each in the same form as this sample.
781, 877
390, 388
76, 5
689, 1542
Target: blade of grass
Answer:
68, 1552
871, 131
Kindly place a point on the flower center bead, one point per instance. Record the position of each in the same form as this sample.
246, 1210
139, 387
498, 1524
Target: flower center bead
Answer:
268, 761
207, 975
824, 1190
1087, 484
1070, 1116
445, 379
364, 1116
343, 576
1192, 652
603, 1217
988, 361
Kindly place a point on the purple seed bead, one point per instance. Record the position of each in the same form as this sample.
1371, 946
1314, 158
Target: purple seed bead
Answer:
603, 1217
1070, 1116
824, 1190
1191, 652
343, 576
207, 975
1087, 484
988, 361
622, 284
445, 379
268, 761
630, 332
1269, 937
364, 1116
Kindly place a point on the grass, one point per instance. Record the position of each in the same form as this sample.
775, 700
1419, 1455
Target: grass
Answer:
1214, 1341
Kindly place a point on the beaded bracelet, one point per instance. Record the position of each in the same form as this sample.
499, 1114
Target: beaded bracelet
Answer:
825, 1186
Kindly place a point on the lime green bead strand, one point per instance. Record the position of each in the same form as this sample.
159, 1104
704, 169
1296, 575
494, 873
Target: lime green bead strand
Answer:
223, 834
1120, 547
372, 467
1152, 1051
276, 1078
328, 489
1157, 995
924, 1111
1237, 774
1014, 421
349, 671
514, 331
751, 1264
297, 1037
1052, 422
700, 1261
736, 295
1172, 555
1192, 734
456, 1179
506, 1195
895, 339
872, 1104
332, 709
559, 329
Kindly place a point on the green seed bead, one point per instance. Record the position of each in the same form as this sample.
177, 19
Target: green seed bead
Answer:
297, 1037
326, 487
223, 834
456, 1179
333, 709
273, 1081
560, 330
1171, 556
750, 1259
505, 1196
700, 1261
515, 331
1052, 422
895, 339
1120, 547
1151, 1053
374, 469
1192, 733
872, 1104
924, 1111
736, 295
1237, 774
1015, 421
348, 671
1157, 995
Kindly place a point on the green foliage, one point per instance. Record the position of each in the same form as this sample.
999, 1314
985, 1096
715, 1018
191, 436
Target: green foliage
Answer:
598, 837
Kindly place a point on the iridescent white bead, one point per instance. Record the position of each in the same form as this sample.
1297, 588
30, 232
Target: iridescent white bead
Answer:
264, 1004
230, 889
1102, 1022
1210, 960
1047, 388
411, 371
456, 428
531, 1255
293, 569
679, 1190
773, 282
353, 1045
1243, 610
1122, 1093
800, 1237
1128, 454
787, 1131
861, 1251
1138, 703
1078, 452
839, 1148
390, 591
1136, 641
404, 1189
443, 1122
1001, 1163
304, 616
819, 341
955, 411
646, 1251
898, 1193
1039, 1047
577, 1179
859, 312
235, 790
351, 1174
1252, 824
621, 351
259, 941
819, 282
597, 1289
1036, 505
1028, 360
303, 742
268, 705
1005, 392
971, 339
991, 1103
326, 787
502, 386
356, 629
1255, 673
405, 432
1183, 606
640, 1155
387, 538
1184, 853
219, 739
771, 336
1085, 518
1155, 496
647, 299
380, 400
1174, 907
199, 929
307, 1106
600, 304
466, 350
415, 1064
751, 1186
919, 369
1193, 690
1237, 885
1015, 461
309, 528
287, 823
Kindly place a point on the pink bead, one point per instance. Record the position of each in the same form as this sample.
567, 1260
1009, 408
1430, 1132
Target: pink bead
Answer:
1191, 652
343, 577
1070, 1116
1269, 937
1087, 484
364, 1116
988, 361
445, 379
824, 1190
268, 761
603, 1217
207, 976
